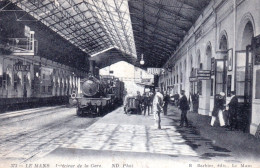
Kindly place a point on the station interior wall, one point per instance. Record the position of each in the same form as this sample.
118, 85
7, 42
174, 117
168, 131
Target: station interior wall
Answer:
221, 26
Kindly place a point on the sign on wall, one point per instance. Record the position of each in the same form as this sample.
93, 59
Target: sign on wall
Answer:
146, 80
204, 74
20, 67
155, 71
193, 79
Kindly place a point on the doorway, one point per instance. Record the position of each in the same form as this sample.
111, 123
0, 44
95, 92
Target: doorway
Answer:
244, 75
220, 76
243, 85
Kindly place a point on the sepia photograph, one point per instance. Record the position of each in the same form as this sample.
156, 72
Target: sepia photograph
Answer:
129, 84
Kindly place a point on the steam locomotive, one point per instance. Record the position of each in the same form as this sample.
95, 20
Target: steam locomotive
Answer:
99, 96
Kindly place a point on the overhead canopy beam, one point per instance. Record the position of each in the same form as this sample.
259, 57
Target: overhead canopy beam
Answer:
167, 11
189, 3
162, 28
161, 18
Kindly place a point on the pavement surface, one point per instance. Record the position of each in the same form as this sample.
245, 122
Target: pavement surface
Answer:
124, 140
121, 139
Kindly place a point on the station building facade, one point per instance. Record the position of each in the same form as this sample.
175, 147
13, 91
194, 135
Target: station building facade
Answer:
22, 77
220, 41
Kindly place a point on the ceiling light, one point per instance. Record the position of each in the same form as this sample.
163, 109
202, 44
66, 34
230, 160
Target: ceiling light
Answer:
142, 60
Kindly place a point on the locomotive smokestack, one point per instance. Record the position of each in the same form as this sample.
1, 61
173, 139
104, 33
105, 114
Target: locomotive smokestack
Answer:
92, 65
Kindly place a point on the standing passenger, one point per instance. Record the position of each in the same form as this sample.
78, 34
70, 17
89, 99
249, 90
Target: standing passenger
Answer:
124, 93
150, 101
126, 102
166, 100
176, 99
157, 106
195, 101
232, 109
184, 106
139, 103
145, 103
218, 109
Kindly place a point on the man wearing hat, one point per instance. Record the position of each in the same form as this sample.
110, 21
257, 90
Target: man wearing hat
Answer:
157, 106
232, 109
166, 99
184, 107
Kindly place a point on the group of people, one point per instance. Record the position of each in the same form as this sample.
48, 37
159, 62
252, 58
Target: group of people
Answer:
145, 102
193, 101
157, 102
226, 114
160, 104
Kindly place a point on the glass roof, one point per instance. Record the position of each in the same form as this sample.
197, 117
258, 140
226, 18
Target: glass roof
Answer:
92, 25
152, 28
160, 25
114, 16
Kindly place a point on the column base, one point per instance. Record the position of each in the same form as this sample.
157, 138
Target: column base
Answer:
204, 111
253, 128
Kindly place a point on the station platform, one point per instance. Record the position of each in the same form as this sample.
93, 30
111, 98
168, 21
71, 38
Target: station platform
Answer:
121, 138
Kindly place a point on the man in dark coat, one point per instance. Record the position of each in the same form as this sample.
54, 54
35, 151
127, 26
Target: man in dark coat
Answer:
139, 102
184, 107
232, 109
166, 99
146, 102
195, 102
176, 99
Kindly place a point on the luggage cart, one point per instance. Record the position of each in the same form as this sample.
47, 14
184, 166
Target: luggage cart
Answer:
132, 105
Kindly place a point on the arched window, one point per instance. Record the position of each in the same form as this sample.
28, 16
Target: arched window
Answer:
223, 45
248, 34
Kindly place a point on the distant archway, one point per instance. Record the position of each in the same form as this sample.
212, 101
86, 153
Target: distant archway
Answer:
223, 42
248, 34
246, 31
